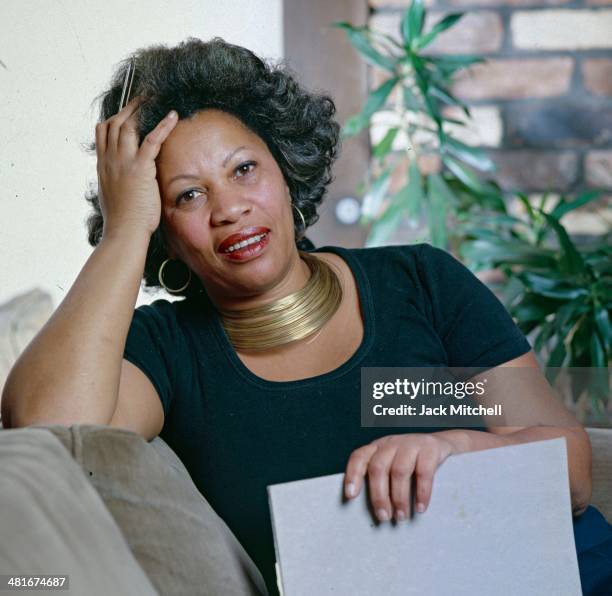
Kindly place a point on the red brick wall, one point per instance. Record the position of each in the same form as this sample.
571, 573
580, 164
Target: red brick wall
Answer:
543, 101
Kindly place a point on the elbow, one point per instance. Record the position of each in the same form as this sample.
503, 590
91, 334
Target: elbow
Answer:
6, 415
13, 411
581, 497
578, 510
13, 415
12, 403
582, 482
45, 409
16, 419
19, 418
581, 494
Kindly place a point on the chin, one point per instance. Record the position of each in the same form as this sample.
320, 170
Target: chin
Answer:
263, 273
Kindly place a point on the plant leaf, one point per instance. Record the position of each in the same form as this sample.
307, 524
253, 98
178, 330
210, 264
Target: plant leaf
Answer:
557, 354
411, 102
533, 307
422, 79
375, 101
571, 261
412, 22
449, 65
524, 199
544, 334
580, 341
388, 222
358, 36
446, 23
384, 146
436, 219
372, 201
377, 98
563, 206
602, 320
598, 355
388, 39
472, 156
441, 198
415, 194
551, 287
509, 252
448, 98
513, 289
455, 121
466, 176
438, 185
566, 316
354, 125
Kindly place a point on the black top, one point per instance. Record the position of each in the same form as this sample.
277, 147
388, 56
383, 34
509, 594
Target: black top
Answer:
237, 433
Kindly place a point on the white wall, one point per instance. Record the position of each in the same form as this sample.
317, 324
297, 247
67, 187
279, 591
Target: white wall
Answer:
55, 58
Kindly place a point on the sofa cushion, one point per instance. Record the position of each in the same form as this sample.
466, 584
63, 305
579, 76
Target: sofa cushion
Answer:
175, 535
20, 320
49, 512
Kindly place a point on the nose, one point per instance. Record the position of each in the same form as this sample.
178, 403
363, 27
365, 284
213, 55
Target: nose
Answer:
228, 207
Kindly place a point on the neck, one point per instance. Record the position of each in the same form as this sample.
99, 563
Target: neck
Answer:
289, 318
294, 278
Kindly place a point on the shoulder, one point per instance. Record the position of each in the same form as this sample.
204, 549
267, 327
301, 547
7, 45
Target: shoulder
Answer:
161, 318
440, 277
408, 253
421, 260
408, 267
157, 311
171, 323
159, 307
168, 310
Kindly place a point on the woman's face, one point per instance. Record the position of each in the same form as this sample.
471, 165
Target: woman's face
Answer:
217, 178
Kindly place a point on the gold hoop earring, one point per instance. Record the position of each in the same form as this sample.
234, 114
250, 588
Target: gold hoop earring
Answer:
160, 276
301, 216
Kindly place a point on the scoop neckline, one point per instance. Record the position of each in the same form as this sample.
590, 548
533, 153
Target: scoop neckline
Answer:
365, 298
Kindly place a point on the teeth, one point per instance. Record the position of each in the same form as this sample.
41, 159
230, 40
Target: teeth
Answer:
244, 243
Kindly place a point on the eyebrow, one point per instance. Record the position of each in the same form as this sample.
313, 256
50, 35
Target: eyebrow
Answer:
224, 163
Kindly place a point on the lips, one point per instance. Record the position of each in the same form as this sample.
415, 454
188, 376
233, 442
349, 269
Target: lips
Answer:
244, 234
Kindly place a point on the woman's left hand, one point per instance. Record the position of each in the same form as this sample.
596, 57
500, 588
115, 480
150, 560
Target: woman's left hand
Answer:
389, 463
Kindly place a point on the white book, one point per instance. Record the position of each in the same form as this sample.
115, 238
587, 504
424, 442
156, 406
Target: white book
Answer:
499, 522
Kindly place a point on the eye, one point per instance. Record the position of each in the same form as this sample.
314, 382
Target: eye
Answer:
185, 197
245, 168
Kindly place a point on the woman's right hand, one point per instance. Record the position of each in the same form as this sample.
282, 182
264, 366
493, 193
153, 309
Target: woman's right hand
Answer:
127, 186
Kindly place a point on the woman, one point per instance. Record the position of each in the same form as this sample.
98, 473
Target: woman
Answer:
253, 379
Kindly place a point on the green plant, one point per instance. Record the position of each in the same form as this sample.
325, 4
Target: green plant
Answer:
556, 290
423, 97
553, 288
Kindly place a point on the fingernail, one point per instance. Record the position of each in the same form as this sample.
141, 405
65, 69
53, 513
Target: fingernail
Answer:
382, 514
172, 114
420, 508
400, 515
350, 489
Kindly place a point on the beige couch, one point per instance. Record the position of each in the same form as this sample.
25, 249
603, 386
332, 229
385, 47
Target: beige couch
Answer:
168, 529
103, 505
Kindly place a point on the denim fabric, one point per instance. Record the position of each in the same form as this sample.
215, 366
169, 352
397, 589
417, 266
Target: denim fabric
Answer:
593, 536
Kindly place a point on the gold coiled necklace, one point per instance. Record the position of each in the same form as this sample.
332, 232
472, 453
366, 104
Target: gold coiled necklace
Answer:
290, 318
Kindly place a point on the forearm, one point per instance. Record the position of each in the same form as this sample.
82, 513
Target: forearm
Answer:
70, 371
578, 451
